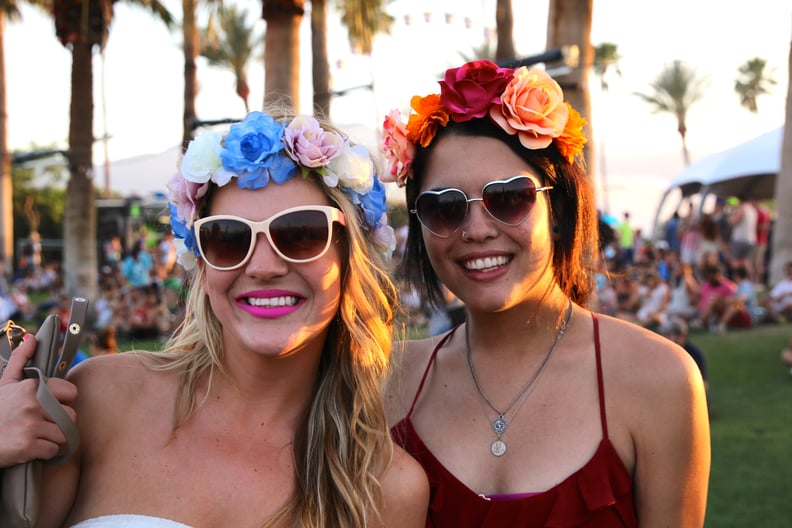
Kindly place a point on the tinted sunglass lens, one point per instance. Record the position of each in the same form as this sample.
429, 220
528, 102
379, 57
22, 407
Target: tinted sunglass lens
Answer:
510, 202
224, 243
301, 235
442, 213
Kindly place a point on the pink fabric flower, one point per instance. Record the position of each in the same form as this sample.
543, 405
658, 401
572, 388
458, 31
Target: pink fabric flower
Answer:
398, 151
469, 91
185, 195
533, 108
309, 144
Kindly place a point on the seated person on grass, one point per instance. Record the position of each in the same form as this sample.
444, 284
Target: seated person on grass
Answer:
716, 293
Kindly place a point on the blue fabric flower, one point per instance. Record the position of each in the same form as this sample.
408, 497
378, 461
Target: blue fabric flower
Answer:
280, 170
252, 148
180, 229
373, 203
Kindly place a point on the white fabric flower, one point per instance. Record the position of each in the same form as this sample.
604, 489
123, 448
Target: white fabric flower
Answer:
184, 255
202, 158
353, 168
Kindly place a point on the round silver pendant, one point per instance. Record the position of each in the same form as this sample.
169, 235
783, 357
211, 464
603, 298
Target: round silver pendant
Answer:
498, 447
499, 425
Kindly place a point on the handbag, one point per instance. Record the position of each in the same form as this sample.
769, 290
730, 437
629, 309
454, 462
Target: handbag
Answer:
20, 485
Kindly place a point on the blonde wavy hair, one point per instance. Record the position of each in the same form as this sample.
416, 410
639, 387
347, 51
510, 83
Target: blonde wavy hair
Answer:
343, 446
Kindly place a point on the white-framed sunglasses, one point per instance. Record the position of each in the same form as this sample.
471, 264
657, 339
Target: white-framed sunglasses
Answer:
298, 234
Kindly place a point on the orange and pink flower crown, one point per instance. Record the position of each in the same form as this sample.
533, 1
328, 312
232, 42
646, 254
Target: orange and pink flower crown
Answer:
522, 101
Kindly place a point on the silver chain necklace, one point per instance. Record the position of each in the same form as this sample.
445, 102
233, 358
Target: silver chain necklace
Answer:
501, 424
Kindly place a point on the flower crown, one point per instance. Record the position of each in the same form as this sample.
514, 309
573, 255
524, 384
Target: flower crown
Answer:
259, 149
525, 102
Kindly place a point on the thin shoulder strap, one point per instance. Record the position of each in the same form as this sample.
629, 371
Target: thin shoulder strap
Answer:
600, 384
428, 366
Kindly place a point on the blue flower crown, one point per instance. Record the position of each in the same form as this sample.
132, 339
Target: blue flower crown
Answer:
259, 149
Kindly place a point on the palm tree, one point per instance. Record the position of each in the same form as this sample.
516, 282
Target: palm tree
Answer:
753, 80
9, 10
83, 26
676, 89
191, 46
782, 233
320, 66
569, 23
504, 26
364, 19
606, 56
282, 51
232, 46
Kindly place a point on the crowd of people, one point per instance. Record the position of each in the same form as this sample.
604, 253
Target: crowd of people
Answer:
699, 271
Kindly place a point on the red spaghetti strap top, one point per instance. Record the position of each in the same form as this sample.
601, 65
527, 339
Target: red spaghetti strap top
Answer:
598, 495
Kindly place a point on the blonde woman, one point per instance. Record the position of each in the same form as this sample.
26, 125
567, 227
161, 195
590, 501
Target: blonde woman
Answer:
264, 408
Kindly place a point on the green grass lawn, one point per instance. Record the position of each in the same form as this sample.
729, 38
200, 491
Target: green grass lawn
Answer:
750, 394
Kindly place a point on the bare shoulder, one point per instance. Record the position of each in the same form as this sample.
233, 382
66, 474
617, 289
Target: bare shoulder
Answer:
645, 371
406, 492
113, 379
110, 369
643, 355
409, 361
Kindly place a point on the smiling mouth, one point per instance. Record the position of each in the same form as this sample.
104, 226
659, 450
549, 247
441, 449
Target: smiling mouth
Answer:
273, 302
486, 264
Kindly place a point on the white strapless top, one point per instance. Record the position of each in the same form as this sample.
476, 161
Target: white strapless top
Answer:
129, 521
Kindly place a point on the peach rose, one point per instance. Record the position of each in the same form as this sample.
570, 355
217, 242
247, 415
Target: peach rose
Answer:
532, 106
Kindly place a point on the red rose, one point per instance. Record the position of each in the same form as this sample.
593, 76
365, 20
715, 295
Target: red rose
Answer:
469, 91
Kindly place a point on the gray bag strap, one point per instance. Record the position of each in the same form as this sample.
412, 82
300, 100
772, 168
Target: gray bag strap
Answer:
52, 406
74, 334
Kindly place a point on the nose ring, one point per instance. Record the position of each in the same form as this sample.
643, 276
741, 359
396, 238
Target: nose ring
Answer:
465, 235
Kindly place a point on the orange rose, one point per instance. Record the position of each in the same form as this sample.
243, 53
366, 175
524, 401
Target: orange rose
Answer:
429, 114
570, 142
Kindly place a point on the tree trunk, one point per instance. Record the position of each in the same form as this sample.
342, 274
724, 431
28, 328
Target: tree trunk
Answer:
282, 52
685, 152
504, 25
319, 65
80, 275
6, 183
782, 233
191, 47
569, 23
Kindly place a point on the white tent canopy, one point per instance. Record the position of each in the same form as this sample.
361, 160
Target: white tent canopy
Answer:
747, 171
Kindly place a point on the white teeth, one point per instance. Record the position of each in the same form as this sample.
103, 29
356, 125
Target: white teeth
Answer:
485, 263
272, 302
